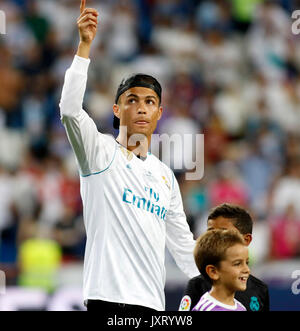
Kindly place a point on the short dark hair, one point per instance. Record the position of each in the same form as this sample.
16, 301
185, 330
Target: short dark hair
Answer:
136, 80
239, 217
211, 248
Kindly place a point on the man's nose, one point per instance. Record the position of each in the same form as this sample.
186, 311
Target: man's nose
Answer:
141, 108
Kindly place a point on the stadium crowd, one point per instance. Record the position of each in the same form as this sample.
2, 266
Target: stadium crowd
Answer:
229, 70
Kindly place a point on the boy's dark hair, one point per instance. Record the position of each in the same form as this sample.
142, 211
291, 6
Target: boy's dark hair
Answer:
239, 217
136, 80
211, 248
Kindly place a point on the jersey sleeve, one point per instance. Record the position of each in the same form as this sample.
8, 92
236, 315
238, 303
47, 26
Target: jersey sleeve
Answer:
93, 150
179, 238
264, 295
266, 300
194, 290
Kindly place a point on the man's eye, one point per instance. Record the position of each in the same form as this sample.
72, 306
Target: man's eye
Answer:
150, 102
131, 100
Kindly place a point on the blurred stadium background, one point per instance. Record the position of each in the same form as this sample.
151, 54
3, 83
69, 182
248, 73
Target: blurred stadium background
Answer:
229, 70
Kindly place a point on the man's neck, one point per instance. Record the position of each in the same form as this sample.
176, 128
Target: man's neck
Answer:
139, 146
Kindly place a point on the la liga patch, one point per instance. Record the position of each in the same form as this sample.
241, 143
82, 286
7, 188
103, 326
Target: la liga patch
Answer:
185, 303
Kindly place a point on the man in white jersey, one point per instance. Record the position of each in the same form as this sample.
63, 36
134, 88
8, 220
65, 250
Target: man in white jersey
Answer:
132, 205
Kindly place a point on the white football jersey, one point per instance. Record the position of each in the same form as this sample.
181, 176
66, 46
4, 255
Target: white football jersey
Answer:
132, 209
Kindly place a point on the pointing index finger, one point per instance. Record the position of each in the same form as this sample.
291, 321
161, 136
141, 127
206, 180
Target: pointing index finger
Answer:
82, 6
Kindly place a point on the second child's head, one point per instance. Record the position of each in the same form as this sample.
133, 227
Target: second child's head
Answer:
229, 216
222, 258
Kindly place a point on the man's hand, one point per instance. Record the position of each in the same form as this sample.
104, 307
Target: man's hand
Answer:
87, 24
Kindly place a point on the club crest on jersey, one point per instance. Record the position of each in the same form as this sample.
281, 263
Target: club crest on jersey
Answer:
126, 153
254, 304
166, 182
185, 303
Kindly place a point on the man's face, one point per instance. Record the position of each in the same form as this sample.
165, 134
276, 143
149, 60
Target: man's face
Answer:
139, 110
223, 223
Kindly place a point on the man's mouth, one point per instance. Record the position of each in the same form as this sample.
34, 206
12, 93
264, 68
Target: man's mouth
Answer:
243, 279
141, 122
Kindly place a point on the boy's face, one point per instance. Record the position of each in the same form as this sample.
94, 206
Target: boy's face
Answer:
233, 271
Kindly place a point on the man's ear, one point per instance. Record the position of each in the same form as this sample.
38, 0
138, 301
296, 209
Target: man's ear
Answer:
116, 110
248, 238
212, 272
160, 113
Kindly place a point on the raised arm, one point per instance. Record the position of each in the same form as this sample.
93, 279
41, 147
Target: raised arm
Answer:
87, 24
92, 149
